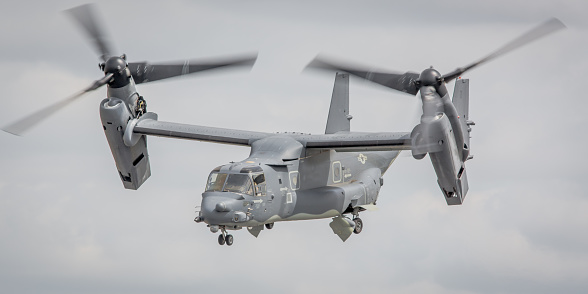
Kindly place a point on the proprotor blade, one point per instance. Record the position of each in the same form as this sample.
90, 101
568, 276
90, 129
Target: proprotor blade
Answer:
85, 15
403, 82
22, 125
540, 31
144, 72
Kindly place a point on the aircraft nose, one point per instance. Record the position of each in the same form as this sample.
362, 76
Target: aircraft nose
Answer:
220, 210
222, 207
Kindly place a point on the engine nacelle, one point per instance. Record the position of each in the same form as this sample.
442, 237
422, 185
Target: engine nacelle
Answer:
427, 135
435, 136
132, 162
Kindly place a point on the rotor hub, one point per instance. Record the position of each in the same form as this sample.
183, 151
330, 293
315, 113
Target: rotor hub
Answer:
430, 77
114, 65
118, 67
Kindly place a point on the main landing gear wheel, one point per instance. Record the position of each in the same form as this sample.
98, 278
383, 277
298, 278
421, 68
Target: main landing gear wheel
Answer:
221, 239
229, 239
269, 226
358, 225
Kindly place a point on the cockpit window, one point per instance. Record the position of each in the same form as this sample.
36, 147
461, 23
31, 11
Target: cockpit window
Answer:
239, 183
216, 182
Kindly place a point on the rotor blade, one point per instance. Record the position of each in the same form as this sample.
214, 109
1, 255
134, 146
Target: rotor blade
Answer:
85, 16
144, 72
403, 82
538, 32
24, 124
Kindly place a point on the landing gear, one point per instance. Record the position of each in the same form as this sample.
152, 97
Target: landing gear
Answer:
357, 221
269, 226
229, 239
225, 238
358, 225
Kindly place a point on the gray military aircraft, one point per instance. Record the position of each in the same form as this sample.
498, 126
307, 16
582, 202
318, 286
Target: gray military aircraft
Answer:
288, 176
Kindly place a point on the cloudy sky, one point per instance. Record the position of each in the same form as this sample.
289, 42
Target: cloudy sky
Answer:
68, 226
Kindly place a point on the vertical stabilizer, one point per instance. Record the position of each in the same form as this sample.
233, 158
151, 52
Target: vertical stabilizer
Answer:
339, 111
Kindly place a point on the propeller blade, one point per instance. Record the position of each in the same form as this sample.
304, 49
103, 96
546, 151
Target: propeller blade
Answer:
538, 32
24, 124
403, 82
84, 15
144, 72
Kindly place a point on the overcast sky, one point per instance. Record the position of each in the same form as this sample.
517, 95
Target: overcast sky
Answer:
67, 225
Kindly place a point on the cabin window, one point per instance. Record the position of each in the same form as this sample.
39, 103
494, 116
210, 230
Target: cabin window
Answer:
294, 180
336, 172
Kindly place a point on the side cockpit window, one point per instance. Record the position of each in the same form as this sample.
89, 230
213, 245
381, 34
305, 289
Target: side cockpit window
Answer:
259, 182
216, 181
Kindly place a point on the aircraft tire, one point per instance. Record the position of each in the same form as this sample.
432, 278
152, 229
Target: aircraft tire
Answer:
229, 240
221, 239
358, 225
269, 226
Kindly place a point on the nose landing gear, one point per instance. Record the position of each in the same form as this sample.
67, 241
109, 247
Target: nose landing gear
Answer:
229, 239
225, 238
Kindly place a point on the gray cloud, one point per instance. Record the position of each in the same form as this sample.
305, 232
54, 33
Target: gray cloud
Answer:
68, 226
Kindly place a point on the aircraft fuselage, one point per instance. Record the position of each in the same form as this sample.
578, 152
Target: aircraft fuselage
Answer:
321, 185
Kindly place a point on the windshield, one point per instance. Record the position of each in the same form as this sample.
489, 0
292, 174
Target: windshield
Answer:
216, 181
239, 183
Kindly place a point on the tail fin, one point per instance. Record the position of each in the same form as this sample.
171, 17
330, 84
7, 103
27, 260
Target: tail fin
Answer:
339, 117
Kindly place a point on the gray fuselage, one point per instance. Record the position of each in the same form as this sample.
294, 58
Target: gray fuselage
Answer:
312, 186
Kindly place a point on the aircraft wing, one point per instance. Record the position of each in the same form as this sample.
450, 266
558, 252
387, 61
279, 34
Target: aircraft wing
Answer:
341, 141
154, 127
354, 142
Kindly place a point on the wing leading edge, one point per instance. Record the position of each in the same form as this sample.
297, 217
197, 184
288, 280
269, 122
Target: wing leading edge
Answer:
199, 133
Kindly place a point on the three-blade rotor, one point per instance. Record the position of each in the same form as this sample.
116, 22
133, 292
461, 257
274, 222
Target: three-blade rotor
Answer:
410, 82
117, 70
434, 96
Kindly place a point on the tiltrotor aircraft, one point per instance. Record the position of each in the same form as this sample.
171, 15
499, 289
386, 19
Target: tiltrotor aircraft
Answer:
288, 176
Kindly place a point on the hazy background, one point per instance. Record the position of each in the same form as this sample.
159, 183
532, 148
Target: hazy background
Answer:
68, 226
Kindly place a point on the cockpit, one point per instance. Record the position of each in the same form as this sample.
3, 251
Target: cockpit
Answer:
249, 181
